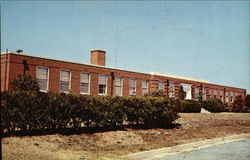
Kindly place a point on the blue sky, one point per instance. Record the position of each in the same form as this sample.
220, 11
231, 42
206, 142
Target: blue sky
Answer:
198, 39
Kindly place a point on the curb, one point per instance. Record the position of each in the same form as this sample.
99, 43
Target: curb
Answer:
158, 153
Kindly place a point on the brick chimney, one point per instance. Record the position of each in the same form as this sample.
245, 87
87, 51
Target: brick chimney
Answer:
98, 57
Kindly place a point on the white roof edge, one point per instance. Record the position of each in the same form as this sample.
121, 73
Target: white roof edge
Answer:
179, 77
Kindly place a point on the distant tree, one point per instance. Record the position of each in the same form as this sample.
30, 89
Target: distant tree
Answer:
182, 93
238, 104
200, 96
248, 101
25, 83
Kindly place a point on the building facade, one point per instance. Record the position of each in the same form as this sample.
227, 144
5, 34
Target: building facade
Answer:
97, 79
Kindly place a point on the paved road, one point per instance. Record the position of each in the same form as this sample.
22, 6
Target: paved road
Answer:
238, 150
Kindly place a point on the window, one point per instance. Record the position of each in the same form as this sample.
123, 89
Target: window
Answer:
42, 78
161, 86
236, 94
221, 96
215, 93
210, 92
226, 97
118, 86
231, 96
221, 93
144, 87
204, 93
65, 81
102, 84
171, 89
84, 85
196, 91
132, 86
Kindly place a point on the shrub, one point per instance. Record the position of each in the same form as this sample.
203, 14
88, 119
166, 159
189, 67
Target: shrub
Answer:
214, 105
238, 104
245, 109
248, 100
190, 106
25, 110
25, 83
182, 93
158, 93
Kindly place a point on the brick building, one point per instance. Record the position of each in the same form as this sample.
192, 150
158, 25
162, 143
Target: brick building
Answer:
97, 79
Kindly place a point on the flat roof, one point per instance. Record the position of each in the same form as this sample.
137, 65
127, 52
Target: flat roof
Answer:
93, 65
150, 73
178, 77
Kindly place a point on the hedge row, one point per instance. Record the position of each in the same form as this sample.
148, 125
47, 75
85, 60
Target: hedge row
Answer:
190, 106
24, 110
214, 105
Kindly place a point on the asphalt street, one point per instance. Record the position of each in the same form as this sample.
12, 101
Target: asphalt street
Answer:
238, 150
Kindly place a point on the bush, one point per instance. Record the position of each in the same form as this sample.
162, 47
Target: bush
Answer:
190, 106
182, 93
214, 105
238, 104
25, 110
245, 109
25, 83
159, 93
248, 101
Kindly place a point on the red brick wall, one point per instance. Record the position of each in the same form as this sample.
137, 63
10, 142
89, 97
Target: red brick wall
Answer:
16, 67
98, 57
4, 72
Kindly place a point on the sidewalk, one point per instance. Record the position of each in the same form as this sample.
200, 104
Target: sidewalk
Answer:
162, 152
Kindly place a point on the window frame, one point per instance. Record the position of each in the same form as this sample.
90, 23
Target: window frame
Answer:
161, 82
215, 93
170, 94
89, 77
106, 85
69, 80
132, 87
121, 80
144, 88
47, 86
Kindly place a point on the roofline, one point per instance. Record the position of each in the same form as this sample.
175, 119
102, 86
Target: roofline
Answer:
149, 74
178, 77
92, 65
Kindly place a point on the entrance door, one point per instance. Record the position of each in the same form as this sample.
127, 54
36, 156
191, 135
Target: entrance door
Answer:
188, 90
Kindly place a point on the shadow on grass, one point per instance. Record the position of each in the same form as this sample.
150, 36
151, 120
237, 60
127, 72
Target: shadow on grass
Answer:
83, 130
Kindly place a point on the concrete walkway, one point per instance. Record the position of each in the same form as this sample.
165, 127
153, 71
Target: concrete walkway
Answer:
168, 151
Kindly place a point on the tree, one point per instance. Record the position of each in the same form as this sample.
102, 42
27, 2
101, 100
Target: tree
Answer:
182, 93
25, 83
200, 96
248, 101
238, 104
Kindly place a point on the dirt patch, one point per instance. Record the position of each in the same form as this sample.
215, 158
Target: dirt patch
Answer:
110, 145
119, 138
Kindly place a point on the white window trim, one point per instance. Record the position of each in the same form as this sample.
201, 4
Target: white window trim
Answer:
88, 83
69, 80
106, 89
170, 94
163, 86
146, 86
47, 78
130, 87
215, 92
121, 86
